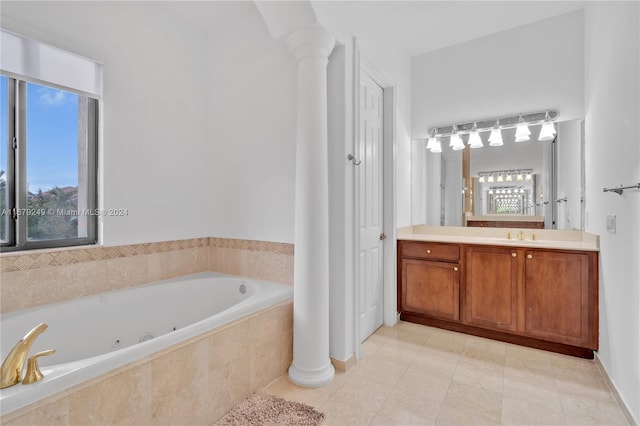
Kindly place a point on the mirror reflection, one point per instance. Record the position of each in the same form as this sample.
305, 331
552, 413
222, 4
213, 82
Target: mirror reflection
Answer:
529, 184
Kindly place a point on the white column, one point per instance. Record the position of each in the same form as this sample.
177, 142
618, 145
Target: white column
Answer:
311, 365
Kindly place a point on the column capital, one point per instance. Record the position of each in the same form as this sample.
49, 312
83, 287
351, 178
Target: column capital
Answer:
312, 40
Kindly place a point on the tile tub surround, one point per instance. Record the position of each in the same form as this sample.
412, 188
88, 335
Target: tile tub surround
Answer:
193, 383
40, 277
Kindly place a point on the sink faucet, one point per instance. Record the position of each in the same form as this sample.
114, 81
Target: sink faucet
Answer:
13, 364
521, 235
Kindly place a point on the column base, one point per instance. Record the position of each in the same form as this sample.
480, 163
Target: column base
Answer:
311, 378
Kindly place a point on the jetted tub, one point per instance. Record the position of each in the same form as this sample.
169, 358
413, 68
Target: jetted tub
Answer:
96, 334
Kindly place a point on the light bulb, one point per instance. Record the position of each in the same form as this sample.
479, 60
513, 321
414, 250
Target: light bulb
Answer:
548, 130
495, 139
431, 142
491, 191
522, 131
474, 137
456, 141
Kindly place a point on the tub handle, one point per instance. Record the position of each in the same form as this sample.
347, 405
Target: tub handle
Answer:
33, 371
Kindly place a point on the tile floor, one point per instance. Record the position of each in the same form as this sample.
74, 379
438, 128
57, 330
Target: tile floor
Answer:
416, 375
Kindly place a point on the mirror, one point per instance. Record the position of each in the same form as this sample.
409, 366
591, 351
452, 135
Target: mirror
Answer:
529, 184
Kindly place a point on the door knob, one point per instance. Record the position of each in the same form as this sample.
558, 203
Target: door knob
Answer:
513, 255
529, 256
383, 236
455, 268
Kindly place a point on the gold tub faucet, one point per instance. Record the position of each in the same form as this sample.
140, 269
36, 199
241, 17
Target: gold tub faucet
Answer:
13, 364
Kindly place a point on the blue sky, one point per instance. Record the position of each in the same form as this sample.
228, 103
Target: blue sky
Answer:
52, 136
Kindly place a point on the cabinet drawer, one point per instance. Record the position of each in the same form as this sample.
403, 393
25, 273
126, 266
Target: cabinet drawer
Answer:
431, 251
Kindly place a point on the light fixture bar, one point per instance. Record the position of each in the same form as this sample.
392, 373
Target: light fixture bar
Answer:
487, 125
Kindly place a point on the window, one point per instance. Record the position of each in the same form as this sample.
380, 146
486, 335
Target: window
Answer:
48, 166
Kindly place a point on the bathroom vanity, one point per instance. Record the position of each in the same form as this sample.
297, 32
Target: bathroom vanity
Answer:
539, 291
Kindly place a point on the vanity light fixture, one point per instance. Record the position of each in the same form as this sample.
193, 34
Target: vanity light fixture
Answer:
522, 131
509, 177
548, 130
437, 149
500, 178
481, 180
495, 125
520, 177
529, 176
490, 180
474, 137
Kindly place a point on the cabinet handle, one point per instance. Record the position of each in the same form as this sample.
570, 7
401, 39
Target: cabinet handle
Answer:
428, 251
513, 255
455, 268
529, 256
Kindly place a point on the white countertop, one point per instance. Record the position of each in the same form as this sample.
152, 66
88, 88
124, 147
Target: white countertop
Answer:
545, 238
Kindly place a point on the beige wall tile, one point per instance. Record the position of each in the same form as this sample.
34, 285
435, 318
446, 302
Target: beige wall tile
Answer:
53, 411
112, 400
15, 291
180, 389
125, 272
58, 283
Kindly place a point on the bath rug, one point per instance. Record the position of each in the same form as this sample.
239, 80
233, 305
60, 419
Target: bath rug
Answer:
268, 410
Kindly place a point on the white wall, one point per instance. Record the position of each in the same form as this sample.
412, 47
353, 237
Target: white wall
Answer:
154, 146
612, 157
251, 132
527, 69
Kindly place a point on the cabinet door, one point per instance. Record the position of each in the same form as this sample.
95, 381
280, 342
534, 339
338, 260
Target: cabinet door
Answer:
556, 293
431, 288
491, 288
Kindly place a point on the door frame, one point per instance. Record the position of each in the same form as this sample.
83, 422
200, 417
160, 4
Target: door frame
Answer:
389, 294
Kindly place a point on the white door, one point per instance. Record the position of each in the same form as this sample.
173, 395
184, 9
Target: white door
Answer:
370, 194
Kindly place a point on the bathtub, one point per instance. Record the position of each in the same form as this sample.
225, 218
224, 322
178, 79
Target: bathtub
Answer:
96, 334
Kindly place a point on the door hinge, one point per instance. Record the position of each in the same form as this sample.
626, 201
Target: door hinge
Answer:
14, 143
14, 213
383, 236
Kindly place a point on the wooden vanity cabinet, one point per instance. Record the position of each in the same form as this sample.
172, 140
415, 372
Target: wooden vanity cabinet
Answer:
544, 298
430, 283
560, 297
491, 287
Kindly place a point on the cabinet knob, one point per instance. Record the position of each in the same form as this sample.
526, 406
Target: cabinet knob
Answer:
455, 268
428, 251
529, 256
513, 255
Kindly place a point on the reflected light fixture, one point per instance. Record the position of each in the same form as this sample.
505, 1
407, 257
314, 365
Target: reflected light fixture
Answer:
548, 130
522, 131
456, 141
496, 135
474, 137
